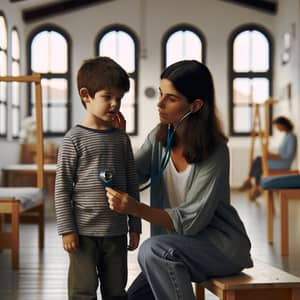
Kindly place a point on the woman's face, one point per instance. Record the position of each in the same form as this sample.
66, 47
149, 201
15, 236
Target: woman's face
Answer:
280, 127
172, 105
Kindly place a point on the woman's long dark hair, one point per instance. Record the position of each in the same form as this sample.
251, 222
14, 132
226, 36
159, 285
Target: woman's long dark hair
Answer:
285, 122
202, 129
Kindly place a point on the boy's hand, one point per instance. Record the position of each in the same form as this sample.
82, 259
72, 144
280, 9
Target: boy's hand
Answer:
134, 239
70, 242
119, 121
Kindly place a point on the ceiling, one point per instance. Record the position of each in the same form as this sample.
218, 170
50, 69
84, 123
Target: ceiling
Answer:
33, 10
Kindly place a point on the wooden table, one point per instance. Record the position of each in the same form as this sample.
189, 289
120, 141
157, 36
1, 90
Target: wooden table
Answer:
25, 175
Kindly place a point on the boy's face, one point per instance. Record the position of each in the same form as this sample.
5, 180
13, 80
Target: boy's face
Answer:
105, 104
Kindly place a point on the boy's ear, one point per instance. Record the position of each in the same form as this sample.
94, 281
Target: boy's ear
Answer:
196, 105
84, 93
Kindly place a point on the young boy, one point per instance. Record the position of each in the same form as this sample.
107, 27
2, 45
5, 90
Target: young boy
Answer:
94, 236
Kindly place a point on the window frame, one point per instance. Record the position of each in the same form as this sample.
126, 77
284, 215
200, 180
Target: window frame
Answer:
4, 102
135, 74
251, 75
12, 105
181, 27
66, 76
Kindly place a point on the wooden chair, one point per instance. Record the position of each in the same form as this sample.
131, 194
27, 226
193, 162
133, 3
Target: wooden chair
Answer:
288, 188
24, 203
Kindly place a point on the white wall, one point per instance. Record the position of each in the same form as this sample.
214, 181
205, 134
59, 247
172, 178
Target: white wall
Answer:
150, 19
288, 20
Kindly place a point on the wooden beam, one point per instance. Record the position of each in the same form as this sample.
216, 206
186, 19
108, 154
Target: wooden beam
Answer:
264, 5
50, 9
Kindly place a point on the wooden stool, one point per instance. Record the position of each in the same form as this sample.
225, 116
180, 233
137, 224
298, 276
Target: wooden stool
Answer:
262, 282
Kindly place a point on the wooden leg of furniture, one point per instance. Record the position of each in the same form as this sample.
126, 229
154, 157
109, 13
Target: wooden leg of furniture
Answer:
260, 294
199, 292
15, 235
270, 214
41, 225
284, 230
295, 294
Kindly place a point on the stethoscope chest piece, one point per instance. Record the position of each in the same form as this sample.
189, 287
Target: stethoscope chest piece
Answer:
106, 177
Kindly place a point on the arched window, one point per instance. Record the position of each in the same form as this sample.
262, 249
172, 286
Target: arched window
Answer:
16, 67
3, 72
182, 42
120, 43
49, 54
250, 75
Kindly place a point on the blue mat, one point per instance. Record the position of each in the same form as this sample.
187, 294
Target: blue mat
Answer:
281, 182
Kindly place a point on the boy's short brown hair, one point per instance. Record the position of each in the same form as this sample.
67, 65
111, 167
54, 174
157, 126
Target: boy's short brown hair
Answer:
101, 73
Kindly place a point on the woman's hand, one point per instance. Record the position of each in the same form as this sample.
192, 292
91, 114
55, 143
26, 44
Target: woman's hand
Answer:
121, 202
70, 242
119, 121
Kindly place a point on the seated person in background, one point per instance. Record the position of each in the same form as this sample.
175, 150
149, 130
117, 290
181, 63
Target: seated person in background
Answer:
276, 161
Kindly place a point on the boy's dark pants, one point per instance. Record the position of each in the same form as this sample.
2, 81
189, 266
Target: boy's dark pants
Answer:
101, 259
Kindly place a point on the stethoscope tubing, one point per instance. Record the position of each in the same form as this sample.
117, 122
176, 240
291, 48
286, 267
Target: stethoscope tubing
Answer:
167, 155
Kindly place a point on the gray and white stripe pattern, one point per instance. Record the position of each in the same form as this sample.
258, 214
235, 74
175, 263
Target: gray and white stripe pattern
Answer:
80, 200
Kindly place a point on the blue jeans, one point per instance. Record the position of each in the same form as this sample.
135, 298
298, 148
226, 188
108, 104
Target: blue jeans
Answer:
256, 169
171, 262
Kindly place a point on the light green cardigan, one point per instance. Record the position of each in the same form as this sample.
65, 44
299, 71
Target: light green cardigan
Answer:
206, 212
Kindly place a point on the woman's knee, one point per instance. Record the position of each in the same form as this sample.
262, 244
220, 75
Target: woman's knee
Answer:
151, 249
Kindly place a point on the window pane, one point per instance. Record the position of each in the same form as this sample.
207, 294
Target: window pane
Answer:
242, 119
174, 48
49, 53
193, 49
57, 119
58, 53
3, 91
15, 93
15, 44
2, 119
129, 97
3, 63
15, 68
260, 90
126, 52
3, 34
260, 52
40, 53
128, 107
241, 52
108, 45
54, 91
183, 44
15, 121
128, 112
241, 90
119, 46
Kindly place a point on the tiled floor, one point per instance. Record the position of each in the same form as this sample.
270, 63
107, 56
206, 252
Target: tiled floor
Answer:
42, 275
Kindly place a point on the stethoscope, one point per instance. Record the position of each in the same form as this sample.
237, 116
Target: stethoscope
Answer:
106, 176
165, 160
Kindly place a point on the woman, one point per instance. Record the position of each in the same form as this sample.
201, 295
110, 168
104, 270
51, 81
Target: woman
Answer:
204, 236
276, 161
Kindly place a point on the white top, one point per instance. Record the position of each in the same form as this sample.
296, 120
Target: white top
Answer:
176, 183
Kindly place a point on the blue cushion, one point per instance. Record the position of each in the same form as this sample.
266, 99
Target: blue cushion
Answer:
281, 182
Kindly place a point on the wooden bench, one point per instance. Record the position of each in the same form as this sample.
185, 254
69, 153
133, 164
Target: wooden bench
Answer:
262, 282
20, 205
